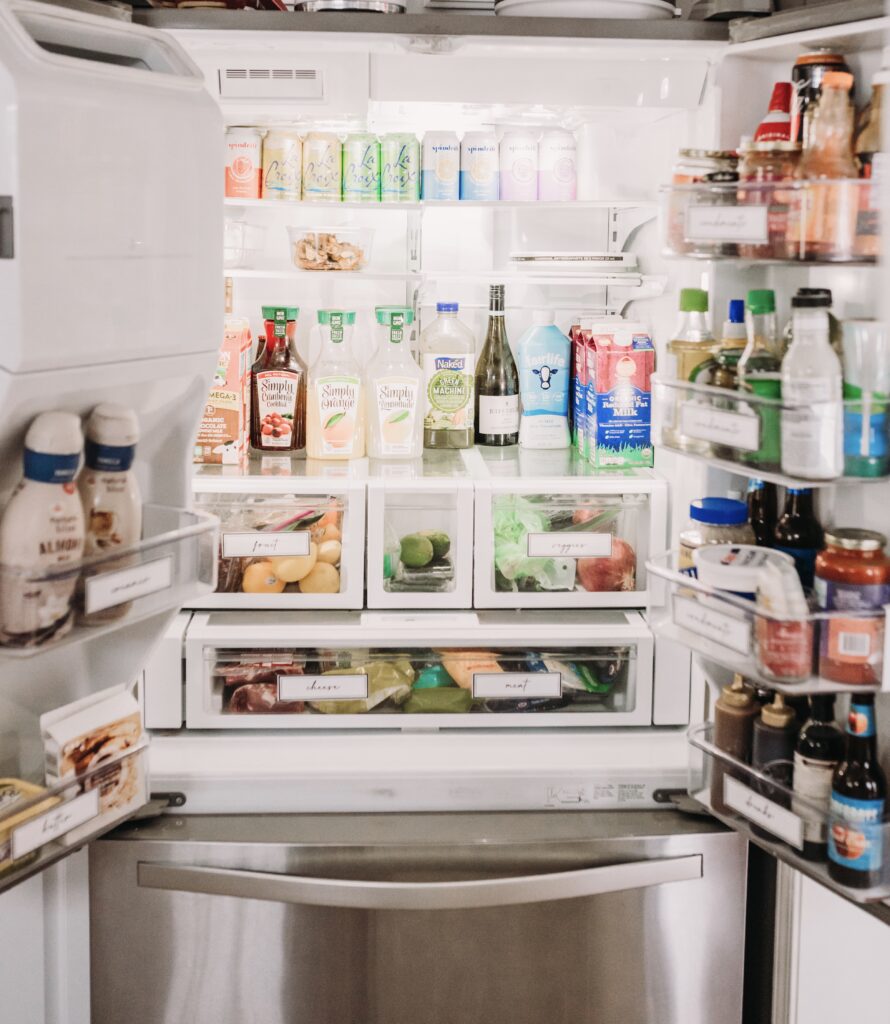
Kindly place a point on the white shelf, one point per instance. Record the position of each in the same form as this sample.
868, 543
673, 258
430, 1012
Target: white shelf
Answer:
322, 275
456, 204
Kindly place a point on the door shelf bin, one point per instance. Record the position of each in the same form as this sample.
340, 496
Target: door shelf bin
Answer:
777, 652
36, 821
172, 562
742, 432
286, 542
762, 805
833, 221
575, 542
426, 670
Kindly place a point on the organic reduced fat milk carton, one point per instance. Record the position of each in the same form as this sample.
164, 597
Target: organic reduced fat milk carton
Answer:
224, 434
620, 364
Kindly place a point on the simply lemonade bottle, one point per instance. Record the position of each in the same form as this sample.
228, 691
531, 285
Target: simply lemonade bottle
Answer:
448, 352
335, 415
395, 386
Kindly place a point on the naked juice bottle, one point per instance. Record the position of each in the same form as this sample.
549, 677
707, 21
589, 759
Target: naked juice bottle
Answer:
335, 420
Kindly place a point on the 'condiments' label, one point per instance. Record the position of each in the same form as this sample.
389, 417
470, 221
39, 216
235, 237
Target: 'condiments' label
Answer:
449, 390
395, 399
276, 392
725, 630
338, 401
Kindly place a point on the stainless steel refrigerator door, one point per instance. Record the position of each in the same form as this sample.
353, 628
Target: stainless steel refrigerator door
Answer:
610, 917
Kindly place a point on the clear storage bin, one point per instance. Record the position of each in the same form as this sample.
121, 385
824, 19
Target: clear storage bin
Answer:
834, 221
331, 248
389, 670
762, 805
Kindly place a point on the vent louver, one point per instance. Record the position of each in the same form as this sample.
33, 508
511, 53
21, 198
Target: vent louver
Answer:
271, 83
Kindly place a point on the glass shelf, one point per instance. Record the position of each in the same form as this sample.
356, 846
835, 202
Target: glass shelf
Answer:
762, 806
456, 204
778, 652
832, 221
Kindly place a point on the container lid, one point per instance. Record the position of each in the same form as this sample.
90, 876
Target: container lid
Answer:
324, 316
113, 424
837, 80
761, 300
852, 539
777, 714
719, 511
543, 317
693, 300
290, 312
736, 311
386, 313
447, 307
738, 694
822, 55
811, 298
55, 433
775, 145
734, 567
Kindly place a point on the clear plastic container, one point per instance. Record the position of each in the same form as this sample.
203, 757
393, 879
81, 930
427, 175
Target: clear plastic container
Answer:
243, 243
330, 248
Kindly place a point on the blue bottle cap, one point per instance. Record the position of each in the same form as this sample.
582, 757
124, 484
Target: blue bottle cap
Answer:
720, 511
736, 311
447, 307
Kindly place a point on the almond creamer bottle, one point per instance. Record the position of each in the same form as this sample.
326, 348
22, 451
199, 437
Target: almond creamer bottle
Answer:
42, 535
109, 491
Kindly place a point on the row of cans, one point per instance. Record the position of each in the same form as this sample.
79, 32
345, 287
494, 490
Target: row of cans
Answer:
523, 165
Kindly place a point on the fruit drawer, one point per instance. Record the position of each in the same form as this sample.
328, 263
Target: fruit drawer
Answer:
823, 840
286, 542
420, 670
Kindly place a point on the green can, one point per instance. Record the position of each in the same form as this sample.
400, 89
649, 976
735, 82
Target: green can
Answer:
361, 168
399, 168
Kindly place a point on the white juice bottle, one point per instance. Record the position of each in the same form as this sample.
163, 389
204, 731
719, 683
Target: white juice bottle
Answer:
335, 413
448, 354
812, 408
109, 491
395, 385
42, 535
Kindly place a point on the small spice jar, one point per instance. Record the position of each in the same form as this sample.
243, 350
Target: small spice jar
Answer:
852, 574
714, 521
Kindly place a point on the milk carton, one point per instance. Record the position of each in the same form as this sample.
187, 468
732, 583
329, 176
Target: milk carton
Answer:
620, 363
224, 434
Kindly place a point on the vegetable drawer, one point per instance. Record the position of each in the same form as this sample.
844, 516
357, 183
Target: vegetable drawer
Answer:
419, 670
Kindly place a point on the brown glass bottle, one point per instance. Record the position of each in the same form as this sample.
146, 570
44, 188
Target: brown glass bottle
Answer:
734, 714
278, 387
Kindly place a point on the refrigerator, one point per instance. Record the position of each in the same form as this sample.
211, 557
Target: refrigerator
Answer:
296, 854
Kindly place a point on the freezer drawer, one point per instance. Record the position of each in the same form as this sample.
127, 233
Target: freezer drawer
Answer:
607, 917
577, 542
421, 671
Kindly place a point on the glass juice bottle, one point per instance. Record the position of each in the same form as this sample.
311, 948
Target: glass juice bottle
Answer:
758, 372
395, 384
448, 354
690, 352
335, 418
278, 386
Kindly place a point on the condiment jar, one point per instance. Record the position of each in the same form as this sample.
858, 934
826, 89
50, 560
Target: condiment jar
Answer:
714, 521
764, 164
853, 574
734, 714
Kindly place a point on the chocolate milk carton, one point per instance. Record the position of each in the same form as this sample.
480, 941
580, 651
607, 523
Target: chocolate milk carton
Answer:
620, 364
224, 434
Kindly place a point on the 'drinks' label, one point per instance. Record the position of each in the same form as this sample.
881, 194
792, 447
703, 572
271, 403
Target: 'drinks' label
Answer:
449, 390
396, 403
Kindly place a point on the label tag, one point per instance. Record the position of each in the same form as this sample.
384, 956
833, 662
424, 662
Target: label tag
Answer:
763, 812
108, 589
332, 687
254, 544
566, 544
727, 224
275, 465
728, 630
517, 684
54, 823
734, 429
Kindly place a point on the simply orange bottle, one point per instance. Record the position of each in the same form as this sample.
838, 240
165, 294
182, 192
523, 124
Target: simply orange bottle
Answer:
335, 415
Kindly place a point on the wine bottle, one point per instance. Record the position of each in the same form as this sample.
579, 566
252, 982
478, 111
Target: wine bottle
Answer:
497, 381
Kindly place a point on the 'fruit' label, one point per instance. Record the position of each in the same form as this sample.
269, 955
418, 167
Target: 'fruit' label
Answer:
277, 394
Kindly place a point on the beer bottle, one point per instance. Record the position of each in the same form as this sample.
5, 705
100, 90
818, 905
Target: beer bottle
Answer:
858, 790
799, 533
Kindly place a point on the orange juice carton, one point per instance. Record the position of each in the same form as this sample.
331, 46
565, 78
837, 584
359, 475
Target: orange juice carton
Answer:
224, 434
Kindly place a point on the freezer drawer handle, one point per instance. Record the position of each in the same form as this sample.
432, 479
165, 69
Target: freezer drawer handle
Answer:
496, 892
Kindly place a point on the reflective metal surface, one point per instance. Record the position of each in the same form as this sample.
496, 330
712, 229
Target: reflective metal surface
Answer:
610, 917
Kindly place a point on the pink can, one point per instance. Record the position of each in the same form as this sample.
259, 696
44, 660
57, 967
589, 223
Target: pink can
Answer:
557, 166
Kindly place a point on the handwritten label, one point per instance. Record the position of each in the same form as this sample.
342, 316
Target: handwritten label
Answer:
48, 826
257, 543
567, 544
724, 629
517, 685
332, 687
727, 224
113, 588
734, 429
763, 812
275, 465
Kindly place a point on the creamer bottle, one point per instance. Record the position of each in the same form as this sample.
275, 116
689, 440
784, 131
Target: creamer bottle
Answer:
335, 416
42, 535
395, 386
109, 491
544, 363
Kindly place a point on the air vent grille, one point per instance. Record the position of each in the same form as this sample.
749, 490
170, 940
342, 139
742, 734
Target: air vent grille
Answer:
271, 83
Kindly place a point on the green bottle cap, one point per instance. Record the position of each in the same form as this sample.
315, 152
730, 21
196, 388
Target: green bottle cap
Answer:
290, 312
324, 316
693, 300
386, 313
761, 300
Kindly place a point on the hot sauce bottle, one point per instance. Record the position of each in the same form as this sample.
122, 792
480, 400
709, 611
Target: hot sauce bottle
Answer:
278, 386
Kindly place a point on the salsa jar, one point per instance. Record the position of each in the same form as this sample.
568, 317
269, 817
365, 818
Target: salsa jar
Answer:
852, 574
765, 164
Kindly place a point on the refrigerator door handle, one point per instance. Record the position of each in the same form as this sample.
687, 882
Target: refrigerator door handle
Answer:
358, 895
